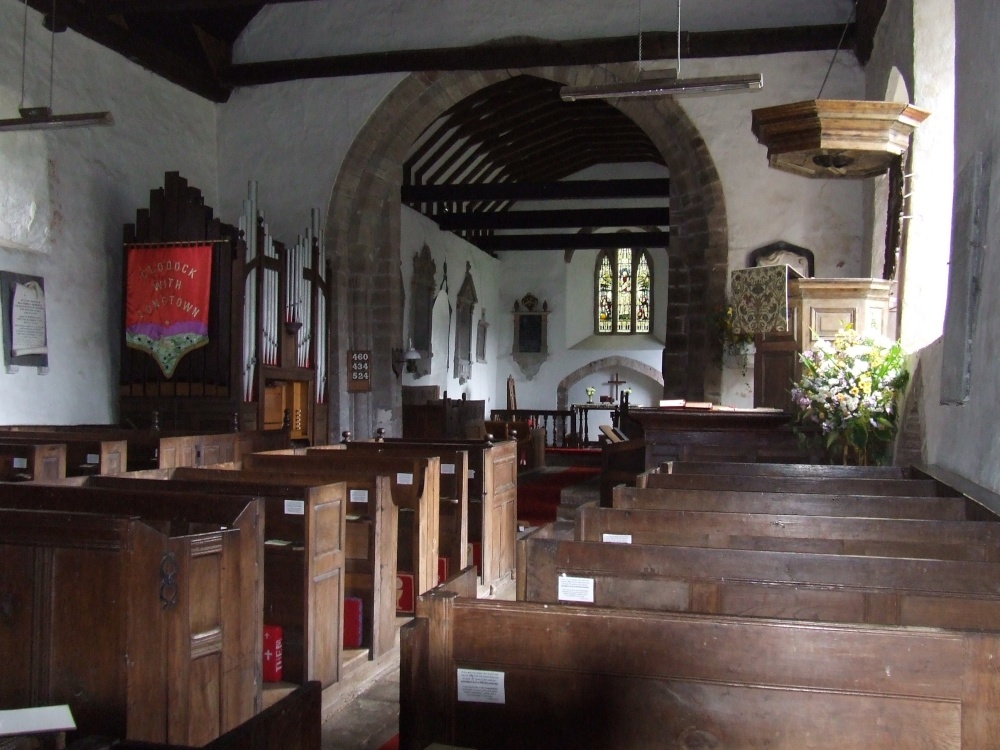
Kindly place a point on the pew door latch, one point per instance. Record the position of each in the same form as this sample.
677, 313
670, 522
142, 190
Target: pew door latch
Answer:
168, 580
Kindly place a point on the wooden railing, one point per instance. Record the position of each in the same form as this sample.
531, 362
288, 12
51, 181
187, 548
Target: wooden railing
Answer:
557, 434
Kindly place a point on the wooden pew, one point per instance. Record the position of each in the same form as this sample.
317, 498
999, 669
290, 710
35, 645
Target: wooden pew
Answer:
304, 565
292, 723
369, 545
85, 454
735, 468
156, 449
897, 537
553, 566
138, 609
491, 674
492, 502
416, 487
453, 539
24, 462
735, 501
821, 485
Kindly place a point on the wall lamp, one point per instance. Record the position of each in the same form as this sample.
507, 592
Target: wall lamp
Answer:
405, 360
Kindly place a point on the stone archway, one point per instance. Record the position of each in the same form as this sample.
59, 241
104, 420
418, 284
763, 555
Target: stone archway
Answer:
363, 231
616, 363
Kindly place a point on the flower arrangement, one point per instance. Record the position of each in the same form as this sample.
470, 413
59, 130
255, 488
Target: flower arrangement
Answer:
590, 393
849, 388
733, 342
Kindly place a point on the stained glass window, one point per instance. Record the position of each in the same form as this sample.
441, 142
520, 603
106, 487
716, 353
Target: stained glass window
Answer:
642, 295
624, 291
605, 295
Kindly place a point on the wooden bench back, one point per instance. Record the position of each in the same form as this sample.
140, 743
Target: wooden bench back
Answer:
740, 469
485, 673
85, 454
735, 501
896, 537
822, 485
25, 462
794, 585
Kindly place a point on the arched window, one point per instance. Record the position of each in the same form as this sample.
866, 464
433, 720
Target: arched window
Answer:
624, 291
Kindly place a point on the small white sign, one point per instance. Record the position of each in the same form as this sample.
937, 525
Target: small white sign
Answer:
93, 458
480, 686
20, 463
573, 589
617, 538
34, 720
359, 496
472, 473
404, 478
447, 468
295, 507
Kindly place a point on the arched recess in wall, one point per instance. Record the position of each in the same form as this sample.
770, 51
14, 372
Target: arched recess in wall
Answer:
363, 233
621, 365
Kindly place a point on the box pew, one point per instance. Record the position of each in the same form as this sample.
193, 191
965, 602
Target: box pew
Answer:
836, 535
822, 485
369, 546
832, 471
736, 501
85, 454
292, 723
138, 609
24, 462
492, 674
492, 502
453, 539
795, 585
416, 489
304, 565
153, 449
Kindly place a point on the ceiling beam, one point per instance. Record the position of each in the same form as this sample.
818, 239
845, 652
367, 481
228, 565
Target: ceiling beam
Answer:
129, 7
145, 52
533, 54
573, 218
520, 191
592, 240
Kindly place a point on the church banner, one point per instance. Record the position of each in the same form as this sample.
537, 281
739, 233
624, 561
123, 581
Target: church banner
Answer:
168, 290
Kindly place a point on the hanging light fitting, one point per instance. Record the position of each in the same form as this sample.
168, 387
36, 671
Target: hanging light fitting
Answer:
41, 118
673, 85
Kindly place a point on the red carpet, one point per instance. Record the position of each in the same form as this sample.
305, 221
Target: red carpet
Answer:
538, 494
392, 744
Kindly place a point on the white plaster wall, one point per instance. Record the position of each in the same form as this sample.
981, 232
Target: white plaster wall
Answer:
965, 438
85, 184
291, 138
763, 204
346, 27
417, 230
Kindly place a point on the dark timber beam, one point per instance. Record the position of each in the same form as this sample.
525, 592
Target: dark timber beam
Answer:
595, 240
499, 55
520, 191
127, 7
564, 219
147, 53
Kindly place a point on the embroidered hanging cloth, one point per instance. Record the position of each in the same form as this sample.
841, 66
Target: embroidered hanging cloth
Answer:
166, 302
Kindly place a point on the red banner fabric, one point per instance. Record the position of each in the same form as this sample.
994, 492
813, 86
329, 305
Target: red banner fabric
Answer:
168, 290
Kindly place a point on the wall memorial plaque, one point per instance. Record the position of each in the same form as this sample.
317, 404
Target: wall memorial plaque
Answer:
25, 335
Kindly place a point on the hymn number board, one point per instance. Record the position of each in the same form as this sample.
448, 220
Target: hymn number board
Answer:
359, 371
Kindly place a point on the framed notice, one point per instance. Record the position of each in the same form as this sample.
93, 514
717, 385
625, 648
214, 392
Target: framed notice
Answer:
25, 336
359, 371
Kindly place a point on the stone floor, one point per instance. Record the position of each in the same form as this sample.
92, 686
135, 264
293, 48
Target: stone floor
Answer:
372, 718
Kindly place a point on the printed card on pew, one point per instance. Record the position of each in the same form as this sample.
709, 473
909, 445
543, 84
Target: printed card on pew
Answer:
575, 589
481, 686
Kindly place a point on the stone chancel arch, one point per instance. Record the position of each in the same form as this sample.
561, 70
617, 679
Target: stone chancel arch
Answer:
623, 365
363, 231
